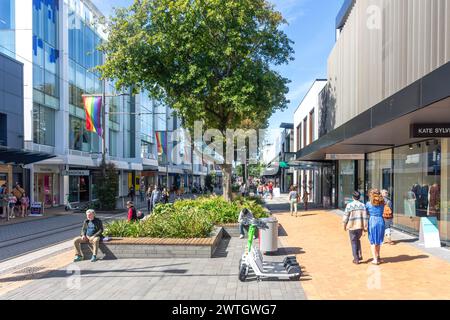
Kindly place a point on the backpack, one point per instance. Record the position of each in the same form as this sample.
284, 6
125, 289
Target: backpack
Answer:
133, 214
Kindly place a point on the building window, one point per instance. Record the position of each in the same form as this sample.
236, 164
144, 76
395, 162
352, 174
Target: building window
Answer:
299, 137
3, 130
311, 126
45, 52
113, 143
43, 125
80, 139
305, 132
346, 182
7, 25
417, 184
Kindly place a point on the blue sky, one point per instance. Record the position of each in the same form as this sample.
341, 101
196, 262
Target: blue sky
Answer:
311, 27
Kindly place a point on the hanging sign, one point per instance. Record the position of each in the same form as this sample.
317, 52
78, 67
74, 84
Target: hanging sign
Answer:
79, 173
344, 157
433, 130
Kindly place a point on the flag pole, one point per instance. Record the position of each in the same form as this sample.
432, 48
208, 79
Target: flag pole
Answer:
104, 127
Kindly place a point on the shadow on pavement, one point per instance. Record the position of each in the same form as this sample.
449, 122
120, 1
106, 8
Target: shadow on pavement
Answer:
281, 231
403, 258
287, 252
221, 251
406, 241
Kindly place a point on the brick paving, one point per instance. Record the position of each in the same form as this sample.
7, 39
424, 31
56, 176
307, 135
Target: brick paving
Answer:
407, 272
160, 279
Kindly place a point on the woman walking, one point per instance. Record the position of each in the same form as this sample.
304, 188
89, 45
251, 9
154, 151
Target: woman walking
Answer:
375, 208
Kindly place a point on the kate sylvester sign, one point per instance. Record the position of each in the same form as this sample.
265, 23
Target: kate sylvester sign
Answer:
435, 130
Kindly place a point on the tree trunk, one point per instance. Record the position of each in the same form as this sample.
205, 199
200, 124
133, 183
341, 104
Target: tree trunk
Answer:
226, 181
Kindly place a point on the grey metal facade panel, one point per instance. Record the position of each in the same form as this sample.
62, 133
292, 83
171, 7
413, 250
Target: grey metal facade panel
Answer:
359, 124
399, 104
436, 86
12, 100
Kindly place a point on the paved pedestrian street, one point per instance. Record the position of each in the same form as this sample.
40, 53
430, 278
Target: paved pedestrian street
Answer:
153, 279
407, 272
316, 238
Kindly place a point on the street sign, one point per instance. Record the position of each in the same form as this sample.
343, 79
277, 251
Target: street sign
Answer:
36, 209
75, 173
345, 156
429, 233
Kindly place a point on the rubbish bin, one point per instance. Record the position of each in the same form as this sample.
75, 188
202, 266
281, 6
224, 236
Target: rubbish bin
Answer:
268, 238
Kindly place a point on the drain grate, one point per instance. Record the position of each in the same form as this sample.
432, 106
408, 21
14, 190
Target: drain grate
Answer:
30, 270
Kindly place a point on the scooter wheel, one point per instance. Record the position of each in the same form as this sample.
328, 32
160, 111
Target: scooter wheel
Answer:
66, 208
242, 273
295, 278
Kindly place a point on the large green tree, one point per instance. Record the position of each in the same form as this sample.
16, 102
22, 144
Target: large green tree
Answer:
210, 60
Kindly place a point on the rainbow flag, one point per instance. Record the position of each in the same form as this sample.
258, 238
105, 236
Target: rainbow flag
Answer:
161, 142
93, 109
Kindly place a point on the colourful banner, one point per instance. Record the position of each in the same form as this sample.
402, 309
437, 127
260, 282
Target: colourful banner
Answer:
161, 142
93, 110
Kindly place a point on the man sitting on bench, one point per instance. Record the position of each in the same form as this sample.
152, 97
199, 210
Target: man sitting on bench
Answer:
91, 232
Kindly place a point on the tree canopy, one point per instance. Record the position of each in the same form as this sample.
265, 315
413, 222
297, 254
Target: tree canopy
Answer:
210, 60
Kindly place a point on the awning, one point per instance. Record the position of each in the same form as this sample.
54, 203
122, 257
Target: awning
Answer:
21, 157
272, 170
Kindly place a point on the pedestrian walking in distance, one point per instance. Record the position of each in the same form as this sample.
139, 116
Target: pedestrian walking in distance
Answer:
293, 201
375, 208
356, 222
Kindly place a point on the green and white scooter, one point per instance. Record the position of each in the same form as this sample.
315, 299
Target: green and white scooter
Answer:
252, 259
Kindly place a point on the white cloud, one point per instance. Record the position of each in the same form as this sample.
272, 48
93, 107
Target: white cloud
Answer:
291, 9
299, 91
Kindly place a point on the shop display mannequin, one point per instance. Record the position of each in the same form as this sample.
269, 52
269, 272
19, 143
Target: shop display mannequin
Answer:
410, 204
434, 200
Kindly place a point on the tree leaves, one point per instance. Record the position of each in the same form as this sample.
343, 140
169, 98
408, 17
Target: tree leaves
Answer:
207, 59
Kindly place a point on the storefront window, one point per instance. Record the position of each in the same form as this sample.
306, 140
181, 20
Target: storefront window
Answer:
346, 181
417, 184
47, 189
379, 171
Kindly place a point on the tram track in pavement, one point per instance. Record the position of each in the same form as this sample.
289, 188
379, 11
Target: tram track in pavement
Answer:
26, 239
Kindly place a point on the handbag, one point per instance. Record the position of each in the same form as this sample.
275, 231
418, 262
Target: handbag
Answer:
387, 212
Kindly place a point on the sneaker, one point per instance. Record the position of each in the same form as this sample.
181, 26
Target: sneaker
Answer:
241, 237
94, 259
78, 259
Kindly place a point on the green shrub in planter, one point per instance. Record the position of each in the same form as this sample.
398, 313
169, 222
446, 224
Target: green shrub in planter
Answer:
186, 219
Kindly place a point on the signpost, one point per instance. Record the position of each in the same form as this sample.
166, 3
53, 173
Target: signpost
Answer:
429, 233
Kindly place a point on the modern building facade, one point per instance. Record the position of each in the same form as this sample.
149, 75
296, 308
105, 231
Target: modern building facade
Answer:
384, 115
56, 41
308, 176
13, 157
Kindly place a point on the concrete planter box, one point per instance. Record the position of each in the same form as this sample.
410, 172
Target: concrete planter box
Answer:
231, 230
153, 248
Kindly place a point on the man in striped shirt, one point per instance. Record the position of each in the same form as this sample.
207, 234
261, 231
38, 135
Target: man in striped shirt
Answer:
356, 221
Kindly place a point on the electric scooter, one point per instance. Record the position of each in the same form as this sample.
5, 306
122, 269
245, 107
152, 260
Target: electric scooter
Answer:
252, 259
